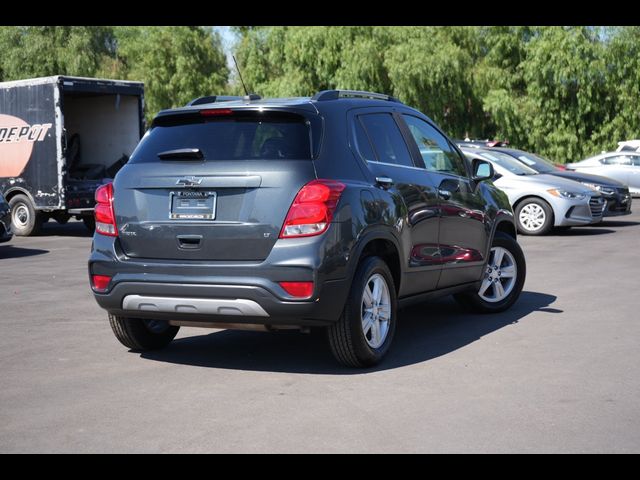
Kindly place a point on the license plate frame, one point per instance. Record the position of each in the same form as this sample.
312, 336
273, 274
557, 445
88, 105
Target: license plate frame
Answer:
193, 205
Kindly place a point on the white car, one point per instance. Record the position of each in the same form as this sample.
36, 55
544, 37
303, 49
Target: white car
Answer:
623, 166
541, 201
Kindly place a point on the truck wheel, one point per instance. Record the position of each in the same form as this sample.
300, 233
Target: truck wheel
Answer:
142, 334
90, 223
503, 278
363, 334
25, 219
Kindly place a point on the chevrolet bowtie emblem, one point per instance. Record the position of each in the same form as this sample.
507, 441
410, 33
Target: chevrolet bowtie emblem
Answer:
189, 181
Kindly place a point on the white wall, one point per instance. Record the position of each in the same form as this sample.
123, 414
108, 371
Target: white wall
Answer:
107, 127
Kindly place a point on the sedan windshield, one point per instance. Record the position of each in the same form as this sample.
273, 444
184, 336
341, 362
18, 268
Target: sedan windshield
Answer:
508, 163
539, 164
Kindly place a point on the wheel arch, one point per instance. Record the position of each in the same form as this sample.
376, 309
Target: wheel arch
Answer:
383, 244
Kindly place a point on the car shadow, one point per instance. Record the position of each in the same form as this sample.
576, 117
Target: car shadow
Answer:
616, 223
579, 232
424, 332
11, 251
70, 229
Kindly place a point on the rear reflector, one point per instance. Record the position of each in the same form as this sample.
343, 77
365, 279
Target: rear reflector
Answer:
100, 282
105, 216
298, 289
312, 209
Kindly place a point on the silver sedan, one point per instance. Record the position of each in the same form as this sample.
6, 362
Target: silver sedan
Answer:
541, 201
623, 166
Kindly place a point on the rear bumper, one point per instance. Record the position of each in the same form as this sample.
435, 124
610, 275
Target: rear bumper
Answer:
223, 292
219, 303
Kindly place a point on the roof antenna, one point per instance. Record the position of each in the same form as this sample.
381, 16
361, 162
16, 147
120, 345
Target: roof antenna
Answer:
240, 75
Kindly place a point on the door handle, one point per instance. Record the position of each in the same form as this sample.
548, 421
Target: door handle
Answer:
444, 194
384, 182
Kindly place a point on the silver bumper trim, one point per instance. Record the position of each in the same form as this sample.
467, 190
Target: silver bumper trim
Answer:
202, 306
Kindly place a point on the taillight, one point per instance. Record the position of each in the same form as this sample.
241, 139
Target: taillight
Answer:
298, 289
100, 283
312, 209
105, 217
216, 112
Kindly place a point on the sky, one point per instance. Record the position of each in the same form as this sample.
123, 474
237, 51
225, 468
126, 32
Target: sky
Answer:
228, 38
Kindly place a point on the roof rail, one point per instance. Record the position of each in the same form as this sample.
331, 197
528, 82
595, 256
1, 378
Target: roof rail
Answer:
336, 94
212, 99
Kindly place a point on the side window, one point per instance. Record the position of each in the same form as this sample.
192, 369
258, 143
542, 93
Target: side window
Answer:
437, 153
617, 160
387, 139
363, 144
635, 160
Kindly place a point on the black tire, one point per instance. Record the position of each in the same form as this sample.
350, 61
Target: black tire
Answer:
138, 334
472, 301
25, 219
90, 223
347, 340
548, 212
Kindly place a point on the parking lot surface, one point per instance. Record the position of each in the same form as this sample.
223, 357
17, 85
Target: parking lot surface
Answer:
559, 372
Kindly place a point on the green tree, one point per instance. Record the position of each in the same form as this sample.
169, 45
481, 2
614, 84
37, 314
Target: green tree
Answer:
176, 64
43, 51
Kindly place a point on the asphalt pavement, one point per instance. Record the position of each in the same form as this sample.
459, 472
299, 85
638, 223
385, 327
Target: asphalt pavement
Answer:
559, 372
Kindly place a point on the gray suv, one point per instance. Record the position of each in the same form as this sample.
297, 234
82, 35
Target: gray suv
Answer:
332, 211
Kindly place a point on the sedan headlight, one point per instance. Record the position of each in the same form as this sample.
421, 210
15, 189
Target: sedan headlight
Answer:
556, 192
600, 188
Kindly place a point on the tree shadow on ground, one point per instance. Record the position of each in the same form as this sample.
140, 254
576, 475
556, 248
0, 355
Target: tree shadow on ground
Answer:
424, 332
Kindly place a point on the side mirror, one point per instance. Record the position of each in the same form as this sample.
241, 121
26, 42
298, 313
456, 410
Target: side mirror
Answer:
482, 170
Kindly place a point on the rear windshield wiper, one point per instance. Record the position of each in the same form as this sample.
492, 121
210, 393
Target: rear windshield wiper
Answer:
182, 154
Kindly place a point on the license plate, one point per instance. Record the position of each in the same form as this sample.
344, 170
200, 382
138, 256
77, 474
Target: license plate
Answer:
193, 205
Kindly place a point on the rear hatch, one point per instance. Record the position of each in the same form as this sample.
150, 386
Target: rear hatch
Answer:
214, 184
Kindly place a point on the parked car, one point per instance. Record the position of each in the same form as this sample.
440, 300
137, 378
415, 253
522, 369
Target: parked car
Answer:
297, 213
5, 220
629, 146
623, 166
615, 193
541, 201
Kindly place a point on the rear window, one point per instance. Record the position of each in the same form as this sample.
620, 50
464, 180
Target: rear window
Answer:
239, 136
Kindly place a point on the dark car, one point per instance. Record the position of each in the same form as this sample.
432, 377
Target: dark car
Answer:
614, 192
5, 220
331, 211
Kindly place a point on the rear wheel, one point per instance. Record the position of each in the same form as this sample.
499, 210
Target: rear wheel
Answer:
534, 216
142, 334
25, 219
363, 334
503, 278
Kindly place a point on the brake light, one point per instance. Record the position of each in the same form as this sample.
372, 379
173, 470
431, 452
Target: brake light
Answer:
105, 216
100, 282
312, 210
216, 112
298, 289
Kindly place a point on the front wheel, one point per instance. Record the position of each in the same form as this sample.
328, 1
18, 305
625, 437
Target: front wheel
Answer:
503, 278
141, 334
534, 216
363, 334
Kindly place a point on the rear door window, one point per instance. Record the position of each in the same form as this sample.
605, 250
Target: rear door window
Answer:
387, 140
238, 136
